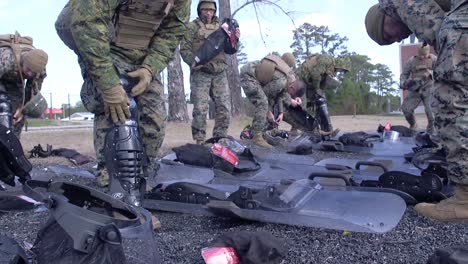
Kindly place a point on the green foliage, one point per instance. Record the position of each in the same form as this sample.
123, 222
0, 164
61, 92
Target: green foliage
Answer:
38, 122
309, 39
366, 89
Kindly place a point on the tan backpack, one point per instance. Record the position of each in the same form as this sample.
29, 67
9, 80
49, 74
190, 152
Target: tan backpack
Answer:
17, 43
266, 69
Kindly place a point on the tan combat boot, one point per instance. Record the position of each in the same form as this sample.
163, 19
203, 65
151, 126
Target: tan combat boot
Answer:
259, 141
199, 142
452, 209
155, 221
413, 126
102, 179
335, 132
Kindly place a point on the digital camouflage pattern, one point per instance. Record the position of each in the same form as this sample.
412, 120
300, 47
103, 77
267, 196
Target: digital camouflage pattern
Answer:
448, 33
90, 26
425, 27
151, 119
209, 81
418, 69
102, 63
193, 40
203, 87
412, 100
264, 97
10, 82
313, 71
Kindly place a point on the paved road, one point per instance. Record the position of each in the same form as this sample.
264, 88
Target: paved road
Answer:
60, 127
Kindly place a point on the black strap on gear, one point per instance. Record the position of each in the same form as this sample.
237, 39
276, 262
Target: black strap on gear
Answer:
425, 188
12, 160
359, 138
87, 214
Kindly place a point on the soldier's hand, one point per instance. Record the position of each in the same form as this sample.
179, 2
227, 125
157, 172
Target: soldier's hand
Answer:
296, 102
145, 77
270, 116
116, 103
195, 68
18, 116
279, 119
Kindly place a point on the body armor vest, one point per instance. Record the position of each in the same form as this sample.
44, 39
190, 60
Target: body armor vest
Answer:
137, 22
269, 64
204, 30
422, 69
18, 45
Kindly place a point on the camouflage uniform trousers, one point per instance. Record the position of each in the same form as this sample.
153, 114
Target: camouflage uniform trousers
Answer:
288, 118
451, 92
412, 100
14, 92
152, 117
203, 86
257, 95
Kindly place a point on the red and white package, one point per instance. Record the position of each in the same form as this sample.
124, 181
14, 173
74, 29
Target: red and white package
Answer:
220, 255
388, 126
225, 153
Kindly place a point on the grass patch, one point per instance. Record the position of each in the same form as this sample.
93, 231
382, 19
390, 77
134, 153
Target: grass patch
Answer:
37, 122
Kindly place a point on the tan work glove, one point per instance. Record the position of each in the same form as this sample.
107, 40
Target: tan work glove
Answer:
116, 103
144, 75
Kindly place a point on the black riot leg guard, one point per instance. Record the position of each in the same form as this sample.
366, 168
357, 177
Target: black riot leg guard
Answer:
5, 110
322, 114
12, 160
126, 159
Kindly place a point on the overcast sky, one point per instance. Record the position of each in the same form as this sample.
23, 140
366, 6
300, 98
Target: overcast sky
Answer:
36, 18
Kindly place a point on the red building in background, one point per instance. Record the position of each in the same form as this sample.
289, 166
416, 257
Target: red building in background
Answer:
53, 112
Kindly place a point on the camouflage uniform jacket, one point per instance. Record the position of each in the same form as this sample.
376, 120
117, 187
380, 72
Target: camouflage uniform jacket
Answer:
90, 21
314, 68
410, 70
10, 74
424, 27
427, 27
193, 34
275, 91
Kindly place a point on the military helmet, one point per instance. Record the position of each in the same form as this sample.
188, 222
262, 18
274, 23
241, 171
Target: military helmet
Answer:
276, 137
35, 60
374, 22
342, 64
289, 58
206, 4
36, 106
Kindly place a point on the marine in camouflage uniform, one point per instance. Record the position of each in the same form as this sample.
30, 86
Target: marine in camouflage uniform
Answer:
417, 79
445, 27
314, 71
115, 37
12, 77
267, 83
210, 80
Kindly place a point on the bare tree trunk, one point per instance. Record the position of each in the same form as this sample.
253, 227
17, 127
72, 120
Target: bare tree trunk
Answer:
237, 105
175, 80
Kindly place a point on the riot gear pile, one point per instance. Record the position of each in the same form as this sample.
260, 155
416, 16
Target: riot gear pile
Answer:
88, 226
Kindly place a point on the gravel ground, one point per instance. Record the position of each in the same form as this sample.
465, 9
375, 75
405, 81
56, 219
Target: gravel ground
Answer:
182, 236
